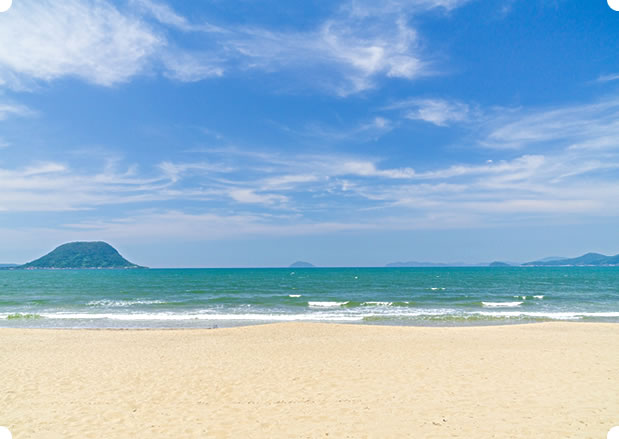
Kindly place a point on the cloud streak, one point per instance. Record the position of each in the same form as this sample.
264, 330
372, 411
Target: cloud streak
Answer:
11, 109
439, 112
592, 125
535, 185
106, 45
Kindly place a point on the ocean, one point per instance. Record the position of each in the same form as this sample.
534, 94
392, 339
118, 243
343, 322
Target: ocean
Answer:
207, 298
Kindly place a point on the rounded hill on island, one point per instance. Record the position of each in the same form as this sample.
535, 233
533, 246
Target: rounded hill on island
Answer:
81, 255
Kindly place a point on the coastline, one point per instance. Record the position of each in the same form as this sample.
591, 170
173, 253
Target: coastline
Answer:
312, 380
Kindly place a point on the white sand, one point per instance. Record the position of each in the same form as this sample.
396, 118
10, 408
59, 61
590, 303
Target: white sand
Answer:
551, 380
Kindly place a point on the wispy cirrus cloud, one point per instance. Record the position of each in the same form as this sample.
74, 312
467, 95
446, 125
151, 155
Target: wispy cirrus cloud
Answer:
275, 194
359, 44
52, 186
191, 66
608, 78
356, 52
593, 125
588, 125
165, 15
440, 112
175, 224
346, 53
88, 39
366, 130
12, 109
575, 172
364, 8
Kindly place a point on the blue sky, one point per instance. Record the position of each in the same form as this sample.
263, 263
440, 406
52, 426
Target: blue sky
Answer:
256, 133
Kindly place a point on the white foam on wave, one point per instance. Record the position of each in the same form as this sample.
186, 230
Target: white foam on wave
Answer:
501, 304
294, 295
377, 303
551, 315
437, 288
326, 304
540, 297
122, 303
357, 314
200, 316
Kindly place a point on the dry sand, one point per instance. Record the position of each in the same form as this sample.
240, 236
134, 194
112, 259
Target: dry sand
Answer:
551, 380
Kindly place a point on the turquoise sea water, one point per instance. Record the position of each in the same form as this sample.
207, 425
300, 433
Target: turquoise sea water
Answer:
229, 297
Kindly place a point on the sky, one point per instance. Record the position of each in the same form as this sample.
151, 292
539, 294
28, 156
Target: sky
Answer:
237, 133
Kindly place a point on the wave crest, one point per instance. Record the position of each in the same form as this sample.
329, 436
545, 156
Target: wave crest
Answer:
501, 304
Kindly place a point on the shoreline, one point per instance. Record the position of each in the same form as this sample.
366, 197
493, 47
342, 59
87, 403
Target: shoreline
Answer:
234, 324
550, 379
477, 324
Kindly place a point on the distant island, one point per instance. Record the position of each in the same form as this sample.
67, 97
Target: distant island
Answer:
80, 255
552, 258
100, 255
431, 264
589, 259
302, 264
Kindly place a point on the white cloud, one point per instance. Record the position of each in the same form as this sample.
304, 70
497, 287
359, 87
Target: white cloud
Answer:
92, 40
357, 49
174, 171
55, 186
364, 168
252, 197
100, 43
439, 112
174, 224
592, 125
575, 172
43, 168
346, 53
508, 169
279, 194
188, 66
164, 14
368, 130
608, 78
8, 109
436, 111
287, 181
364, 8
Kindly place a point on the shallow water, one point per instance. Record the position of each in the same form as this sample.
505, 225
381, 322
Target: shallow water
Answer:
229, 297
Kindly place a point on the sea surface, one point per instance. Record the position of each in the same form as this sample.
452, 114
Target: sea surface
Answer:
189, 298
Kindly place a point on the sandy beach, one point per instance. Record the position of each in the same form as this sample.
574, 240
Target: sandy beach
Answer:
550, 380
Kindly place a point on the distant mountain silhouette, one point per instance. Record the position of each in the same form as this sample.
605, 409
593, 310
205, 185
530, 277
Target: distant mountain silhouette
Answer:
589, 259
81, 255
416, 264
432, 264
302, 264
552, 258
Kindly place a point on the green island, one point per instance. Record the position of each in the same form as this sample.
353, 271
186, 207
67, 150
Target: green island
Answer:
92, 255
